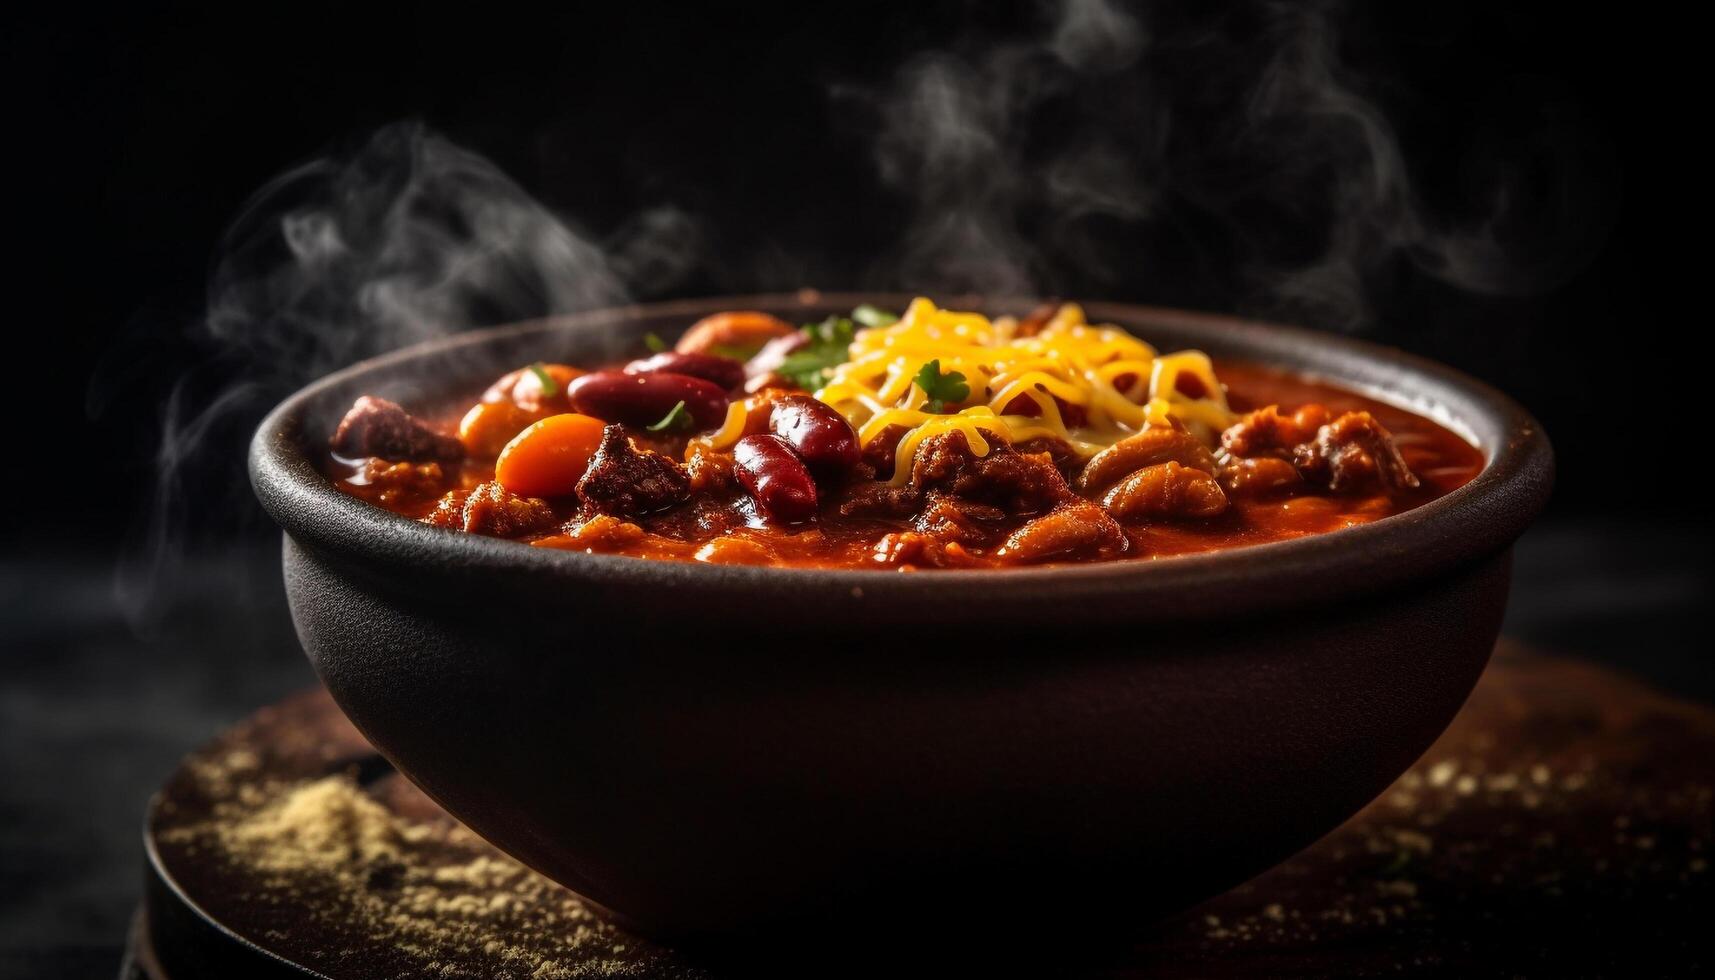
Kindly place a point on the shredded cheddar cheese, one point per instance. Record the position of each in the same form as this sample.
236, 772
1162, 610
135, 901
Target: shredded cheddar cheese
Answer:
1089, 385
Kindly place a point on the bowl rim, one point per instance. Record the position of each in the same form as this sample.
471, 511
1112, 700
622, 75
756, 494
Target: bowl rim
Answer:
1473, 522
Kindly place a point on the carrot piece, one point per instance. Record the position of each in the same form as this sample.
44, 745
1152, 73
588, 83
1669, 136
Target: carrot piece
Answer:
524, 387
549, 458
738, 334
529, 393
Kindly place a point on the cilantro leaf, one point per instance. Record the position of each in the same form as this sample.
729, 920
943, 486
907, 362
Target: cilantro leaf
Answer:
653, 341
675, 420
942, 389
549, 387
830, 343
834, 330
874, 316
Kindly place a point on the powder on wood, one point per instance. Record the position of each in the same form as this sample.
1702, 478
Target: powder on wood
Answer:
376, 881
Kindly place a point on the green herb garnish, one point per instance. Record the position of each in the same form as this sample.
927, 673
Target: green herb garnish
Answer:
549, 387
653, 341
942, 389
874, 316
830, 344
674, 421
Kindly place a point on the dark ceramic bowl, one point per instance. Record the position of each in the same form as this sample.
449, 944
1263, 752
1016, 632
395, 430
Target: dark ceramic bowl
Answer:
717, 752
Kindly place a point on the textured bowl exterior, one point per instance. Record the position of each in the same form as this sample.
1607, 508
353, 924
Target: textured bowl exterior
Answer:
721, 752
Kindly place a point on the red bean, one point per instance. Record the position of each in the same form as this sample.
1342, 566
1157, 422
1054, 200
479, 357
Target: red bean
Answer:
645, 399
776, 477
723, 371
819, 434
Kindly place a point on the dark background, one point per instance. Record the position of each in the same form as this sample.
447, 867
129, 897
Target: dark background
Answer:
138, 134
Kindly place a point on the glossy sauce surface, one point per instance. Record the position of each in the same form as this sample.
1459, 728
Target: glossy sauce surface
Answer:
1441, 460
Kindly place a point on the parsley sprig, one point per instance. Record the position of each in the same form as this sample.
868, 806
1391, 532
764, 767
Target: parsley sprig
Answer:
549, 387
874, 316
676, 420
943, 389
830, 341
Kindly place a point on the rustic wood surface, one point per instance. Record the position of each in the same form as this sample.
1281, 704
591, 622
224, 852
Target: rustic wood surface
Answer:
1561, 826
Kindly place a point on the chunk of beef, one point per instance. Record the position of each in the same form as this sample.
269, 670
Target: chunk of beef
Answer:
492, 509
1066, 459
705, 516
380, 428
948, 519
398, 484
710, 472
625, 481
1256, 476
1166, 490
1076, 531
1351, 453
1266, 431
1016, 482
1354, 454
921, 551
879, 453
879, 499
603, 533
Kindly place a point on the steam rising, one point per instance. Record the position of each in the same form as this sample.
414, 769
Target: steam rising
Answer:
953, 134
1332, 141
1020, 158
406, 238
1093, 35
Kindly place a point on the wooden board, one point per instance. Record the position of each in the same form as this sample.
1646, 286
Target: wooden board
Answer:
1561, 826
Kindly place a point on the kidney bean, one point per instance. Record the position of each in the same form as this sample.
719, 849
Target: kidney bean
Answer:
776, 477
644, 399
724, 371
819, 434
